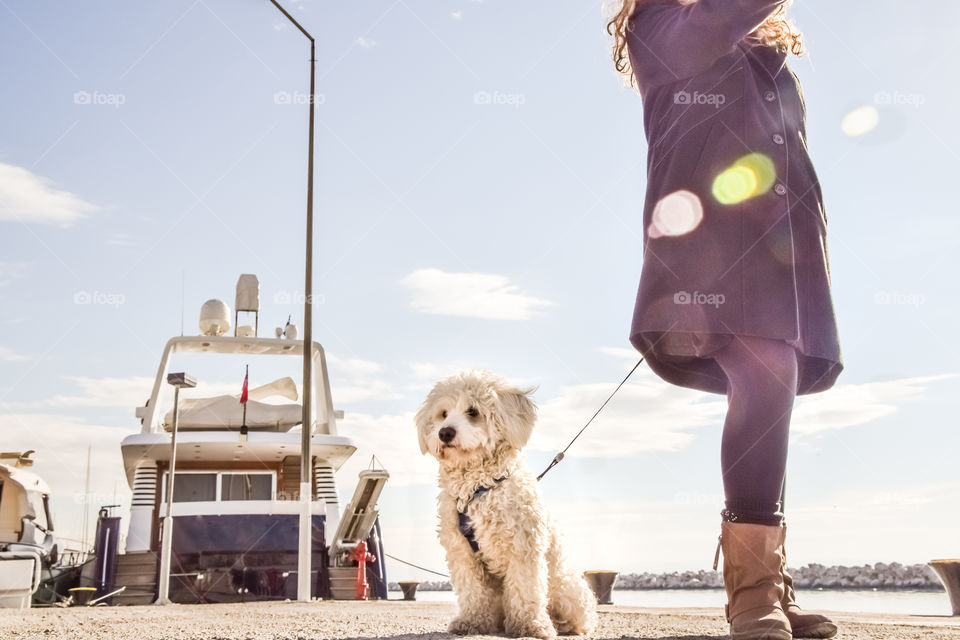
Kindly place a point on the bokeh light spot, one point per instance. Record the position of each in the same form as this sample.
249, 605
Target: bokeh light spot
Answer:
748, 177
860, 121
676, 214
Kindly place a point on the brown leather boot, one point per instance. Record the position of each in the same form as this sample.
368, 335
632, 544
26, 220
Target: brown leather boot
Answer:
804, 625
751, 575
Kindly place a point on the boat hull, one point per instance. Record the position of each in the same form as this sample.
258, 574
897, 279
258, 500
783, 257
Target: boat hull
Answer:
240, 558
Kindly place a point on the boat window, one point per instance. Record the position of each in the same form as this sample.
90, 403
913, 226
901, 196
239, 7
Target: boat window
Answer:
46, 513
246, 486
195, 487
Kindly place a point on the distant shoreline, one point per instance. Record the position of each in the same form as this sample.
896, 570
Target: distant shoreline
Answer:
878, 577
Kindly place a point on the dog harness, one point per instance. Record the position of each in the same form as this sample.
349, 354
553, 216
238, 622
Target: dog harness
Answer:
464, 524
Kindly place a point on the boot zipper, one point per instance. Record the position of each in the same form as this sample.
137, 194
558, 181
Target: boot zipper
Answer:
716, 557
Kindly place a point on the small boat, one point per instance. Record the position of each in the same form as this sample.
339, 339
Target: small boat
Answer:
236, 486
34, 570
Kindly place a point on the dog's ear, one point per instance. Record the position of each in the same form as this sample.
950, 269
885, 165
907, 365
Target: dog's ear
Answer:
520, 414
422, 421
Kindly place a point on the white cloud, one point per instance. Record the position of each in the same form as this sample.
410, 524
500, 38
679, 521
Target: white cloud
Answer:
457, 15
10, 271
621, 353
355, 379
470, 295
107, 392
850, 405
350, 391
353, 366
119, 239
393, 439
26, 197
433, 370
649, 414
915, 523
427, 374
9, 355
61, 443
646, 415
366, 43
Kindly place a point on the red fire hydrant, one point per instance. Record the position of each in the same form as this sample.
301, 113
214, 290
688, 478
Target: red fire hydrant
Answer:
362, 557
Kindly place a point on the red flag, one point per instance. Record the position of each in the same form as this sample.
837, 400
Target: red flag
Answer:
243, 394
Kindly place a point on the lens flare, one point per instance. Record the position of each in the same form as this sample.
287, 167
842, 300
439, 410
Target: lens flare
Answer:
676, 214
860, 121
748, 177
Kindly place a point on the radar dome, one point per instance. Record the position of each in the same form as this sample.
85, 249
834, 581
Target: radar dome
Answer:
214, 318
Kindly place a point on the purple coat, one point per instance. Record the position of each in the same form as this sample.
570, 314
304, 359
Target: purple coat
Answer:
756, 263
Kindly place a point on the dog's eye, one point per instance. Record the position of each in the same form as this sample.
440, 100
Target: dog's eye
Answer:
473, 413
443, 414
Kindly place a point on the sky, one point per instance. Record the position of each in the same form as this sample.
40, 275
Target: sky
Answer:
479, 188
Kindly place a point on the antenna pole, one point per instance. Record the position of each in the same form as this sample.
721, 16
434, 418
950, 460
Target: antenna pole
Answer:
183, 286
86, 501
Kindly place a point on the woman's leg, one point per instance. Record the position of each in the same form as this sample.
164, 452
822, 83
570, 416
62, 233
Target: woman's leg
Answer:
762, 376
762, 383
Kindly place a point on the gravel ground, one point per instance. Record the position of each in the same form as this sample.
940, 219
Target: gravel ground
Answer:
394, 619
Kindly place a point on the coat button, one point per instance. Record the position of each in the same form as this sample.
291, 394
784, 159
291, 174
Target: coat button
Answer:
778, 139
770, 96
780, 190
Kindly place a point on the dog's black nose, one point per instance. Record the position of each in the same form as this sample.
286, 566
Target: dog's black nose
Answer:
447, 434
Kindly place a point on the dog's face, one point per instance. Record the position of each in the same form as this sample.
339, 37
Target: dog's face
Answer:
467, 416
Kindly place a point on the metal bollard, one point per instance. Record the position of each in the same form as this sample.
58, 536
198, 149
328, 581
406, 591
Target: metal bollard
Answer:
409, 588
602, 584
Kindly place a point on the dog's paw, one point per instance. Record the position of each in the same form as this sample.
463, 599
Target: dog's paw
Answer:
472, 626
539, 627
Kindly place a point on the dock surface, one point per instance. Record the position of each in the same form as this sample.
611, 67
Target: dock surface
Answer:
393, 619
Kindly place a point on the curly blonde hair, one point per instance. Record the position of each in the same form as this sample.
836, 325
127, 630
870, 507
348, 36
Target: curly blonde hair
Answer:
776, 32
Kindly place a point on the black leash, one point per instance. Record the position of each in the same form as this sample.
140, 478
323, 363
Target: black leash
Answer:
556, 460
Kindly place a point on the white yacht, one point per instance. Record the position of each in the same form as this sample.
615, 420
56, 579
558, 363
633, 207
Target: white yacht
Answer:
34, 569
236, 503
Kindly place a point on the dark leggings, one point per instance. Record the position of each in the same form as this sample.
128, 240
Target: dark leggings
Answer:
762, 375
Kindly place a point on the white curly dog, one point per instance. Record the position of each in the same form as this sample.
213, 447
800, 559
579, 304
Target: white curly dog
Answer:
506, 562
